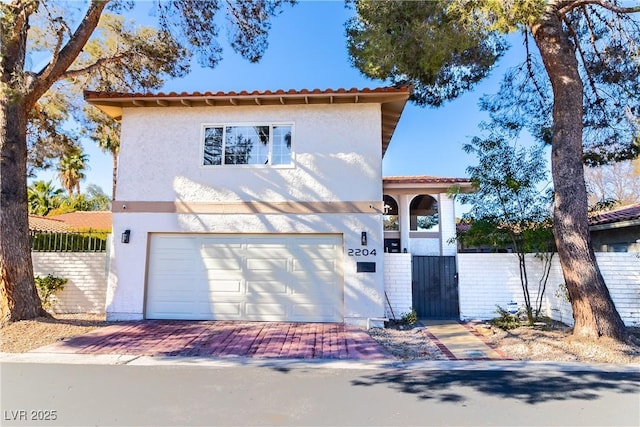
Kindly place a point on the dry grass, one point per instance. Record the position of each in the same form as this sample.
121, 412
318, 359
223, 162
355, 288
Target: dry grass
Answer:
551, 342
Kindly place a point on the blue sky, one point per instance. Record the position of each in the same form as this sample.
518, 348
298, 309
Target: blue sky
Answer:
307, 50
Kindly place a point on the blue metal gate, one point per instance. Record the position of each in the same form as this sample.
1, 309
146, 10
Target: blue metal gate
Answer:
435, 287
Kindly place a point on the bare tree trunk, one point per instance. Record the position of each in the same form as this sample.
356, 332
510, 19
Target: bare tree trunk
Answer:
594, 313
18, 296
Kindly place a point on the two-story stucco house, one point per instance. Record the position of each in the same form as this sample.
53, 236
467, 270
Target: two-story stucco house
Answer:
251, 206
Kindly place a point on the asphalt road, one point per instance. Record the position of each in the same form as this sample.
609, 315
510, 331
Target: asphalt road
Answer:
60, 394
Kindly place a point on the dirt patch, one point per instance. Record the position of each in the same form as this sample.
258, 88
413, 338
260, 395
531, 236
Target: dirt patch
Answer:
27, 335
548, 342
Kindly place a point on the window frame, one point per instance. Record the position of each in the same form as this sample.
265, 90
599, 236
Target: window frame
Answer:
224, 126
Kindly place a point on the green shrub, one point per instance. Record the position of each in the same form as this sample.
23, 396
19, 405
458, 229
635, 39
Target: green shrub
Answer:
505, 320
409, 318
48, 286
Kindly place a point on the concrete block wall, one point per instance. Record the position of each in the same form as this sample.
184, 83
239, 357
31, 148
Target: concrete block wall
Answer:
621, 272
397, 284
85, 292
487, 280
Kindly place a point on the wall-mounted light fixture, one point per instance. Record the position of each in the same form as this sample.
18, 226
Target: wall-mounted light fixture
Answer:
125, 236
363, 238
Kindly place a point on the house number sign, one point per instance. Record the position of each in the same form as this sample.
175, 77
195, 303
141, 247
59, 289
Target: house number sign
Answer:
361, 252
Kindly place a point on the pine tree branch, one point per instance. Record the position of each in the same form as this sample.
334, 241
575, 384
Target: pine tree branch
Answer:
43, 80
21, 10
532, 75
599, 101
100, 63
602, 3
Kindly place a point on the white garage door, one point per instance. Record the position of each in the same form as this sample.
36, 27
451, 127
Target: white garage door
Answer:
245, 277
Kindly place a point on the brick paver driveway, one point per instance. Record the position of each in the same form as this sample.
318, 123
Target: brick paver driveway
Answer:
222, 338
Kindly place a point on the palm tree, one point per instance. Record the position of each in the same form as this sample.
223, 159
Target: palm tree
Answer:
42, 197
71, 169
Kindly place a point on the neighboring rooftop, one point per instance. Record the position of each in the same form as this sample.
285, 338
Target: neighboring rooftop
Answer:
94, 220
74, 221
627, 214
42, 223
392, 100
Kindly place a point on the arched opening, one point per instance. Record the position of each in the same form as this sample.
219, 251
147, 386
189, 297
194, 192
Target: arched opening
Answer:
390, 217
424, 215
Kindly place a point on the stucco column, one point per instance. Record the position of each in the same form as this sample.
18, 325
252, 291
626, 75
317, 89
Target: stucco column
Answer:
447, 225
403, 213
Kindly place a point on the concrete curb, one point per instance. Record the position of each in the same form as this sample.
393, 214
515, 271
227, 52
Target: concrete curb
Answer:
286, 364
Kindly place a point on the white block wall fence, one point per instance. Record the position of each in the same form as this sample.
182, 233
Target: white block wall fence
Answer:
85, 292
397, 284
487, 280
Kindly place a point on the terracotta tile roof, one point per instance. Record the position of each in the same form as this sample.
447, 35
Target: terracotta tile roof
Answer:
625, 213
423, 180
94, 220
392, 100
41, 223
89, 95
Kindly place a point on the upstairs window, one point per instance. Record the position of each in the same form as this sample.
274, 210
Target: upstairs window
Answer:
247, 145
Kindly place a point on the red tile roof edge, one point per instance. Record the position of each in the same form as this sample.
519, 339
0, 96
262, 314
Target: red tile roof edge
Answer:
423, 180
386, 89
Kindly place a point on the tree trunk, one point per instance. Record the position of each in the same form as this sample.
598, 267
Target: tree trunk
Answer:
18, 295
594, 313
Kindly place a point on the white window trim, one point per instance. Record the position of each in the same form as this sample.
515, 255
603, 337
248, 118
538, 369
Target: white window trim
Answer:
246, 124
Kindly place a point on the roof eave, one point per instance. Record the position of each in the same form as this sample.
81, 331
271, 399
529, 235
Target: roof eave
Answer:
392, 101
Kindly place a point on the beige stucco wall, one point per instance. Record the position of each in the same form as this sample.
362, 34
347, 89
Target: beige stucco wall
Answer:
336, 148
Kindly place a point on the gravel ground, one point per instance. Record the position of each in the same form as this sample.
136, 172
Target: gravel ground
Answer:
543, 343
548, 342
27, 335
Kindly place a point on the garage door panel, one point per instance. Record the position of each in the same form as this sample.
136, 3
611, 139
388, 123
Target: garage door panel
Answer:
174, 242
232, 263
266, 311
168, 265
266, 264
232, 310
225, 286
263, 287
253, 277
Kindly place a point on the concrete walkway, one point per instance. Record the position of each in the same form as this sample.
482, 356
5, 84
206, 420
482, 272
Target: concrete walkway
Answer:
460, 342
